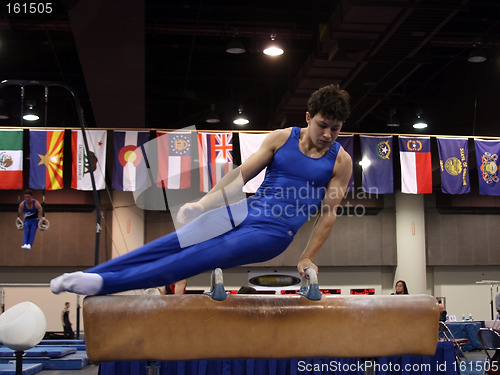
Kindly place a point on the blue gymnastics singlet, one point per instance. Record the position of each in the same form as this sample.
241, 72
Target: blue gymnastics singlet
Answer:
295, 184
30, 213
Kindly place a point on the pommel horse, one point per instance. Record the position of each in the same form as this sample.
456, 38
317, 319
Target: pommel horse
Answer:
221, 326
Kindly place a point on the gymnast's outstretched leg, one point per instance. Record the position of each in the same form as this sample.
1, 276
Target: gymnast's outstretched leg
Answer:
216, 221
246, 244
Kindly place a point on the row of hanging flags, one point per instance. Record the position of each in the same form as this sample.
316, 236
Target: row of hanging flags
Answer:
168, 161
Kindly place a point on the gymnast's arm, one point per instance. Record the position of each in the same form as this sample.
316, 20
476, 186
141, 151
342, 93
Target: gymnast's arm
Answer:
39, 208
232, 183
20, 210
328, 211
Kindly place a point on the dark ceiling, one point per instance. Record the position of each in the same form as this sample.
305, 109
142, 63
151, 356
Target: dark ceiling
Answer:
162, 64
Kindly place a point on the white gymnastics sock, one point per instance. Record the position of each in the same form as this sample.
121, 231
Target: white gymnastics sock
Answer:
79, 282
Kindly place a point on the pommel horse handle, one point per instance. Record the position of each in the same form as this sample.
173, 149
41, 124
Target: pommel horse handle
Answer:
217, 290
309, 287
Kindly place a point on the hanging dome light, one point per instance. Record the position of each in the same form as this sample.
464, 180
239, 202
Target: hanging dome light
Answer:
212, 117
477, 54
240, 119
420, 123
273, 48
30, 114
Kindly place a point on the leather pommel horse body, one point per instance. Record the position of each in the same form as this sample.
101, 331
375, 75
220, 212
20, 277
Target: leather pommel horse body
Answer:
188, 327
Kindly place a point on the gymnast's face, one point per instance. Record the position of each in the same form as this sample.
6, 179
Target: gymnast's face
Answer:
28, 198
323, 131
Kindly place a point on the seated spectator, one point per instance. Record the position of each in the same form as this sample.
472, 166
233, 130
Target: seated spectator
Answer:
497, 304
442, 313
401, 288
247, 290
178, 287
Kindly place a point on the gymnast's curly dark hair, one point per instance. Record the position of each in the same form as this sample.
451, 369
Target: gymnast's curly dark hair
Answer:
331, 101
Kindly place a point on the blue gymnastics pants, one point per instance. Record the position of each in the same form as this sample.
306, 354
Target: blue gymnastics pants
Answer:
163, 261
30, 227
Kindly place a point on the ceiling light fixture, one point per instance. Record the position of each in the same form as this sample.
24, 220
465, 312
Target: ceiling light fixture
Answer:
30, 114
240, 119
235, 45
212, 117
420, 123
273, 48
477, 54
393, 121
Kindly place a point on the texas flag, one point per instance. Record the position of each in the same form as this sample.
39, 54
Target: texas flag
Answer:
416, 167
129, 167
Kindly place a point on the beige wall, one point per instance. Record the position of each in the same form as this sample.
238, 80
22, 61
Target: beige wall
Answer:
360, 253
457, 284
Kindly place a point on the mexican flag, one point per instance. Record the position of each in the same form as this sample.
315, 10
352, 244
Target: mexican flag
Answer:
11, 159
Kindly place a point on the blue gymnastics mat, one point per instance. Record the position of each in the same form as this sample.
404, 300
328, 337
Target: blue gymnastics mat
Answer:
75, 361
76, 346
70, 342
28, 368
40, 351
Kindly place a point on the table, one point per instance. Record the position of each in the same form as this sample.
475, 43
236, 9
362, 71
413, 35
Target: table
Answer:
467, 330
443, 362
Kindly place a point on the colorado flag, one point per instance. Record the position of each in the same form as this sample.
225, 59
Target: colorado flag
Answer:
416, 167
129, 167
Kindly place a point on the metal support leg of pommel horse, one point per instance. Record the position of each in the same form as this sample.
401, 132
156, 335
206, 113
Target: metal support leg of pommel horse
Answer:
231, 326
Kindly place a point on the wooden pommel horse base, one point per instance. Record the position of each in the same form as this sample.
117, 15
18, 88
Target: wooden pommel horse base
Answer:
189, 327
